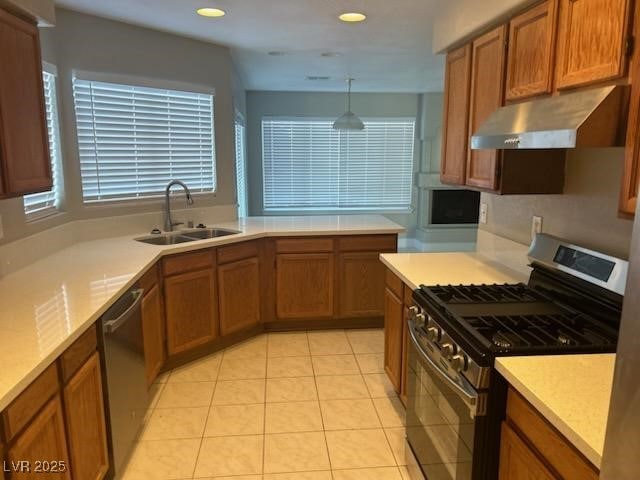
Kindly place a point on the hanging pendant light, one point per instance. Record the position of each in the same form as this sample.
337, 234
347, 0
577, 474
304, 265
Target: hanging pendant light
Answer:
348, 121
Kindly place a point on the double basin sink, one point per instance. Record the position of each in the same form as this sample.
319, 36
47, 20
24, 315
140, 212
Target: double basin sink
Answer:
186, 236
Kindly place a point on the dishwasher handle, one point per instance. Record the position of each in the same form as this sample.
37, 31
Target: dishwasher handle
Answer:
111, 326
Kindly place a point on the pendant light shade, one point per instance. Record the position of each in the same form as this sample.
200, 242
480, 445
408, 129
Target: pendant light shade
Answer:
348, 121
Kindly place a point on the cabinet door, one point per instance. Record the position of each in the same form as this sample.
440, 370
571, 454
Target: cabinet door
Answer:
24, 144
531, 51
153, 332
455, 124
487, 81
304, 285
592, 37
86, 422
361, 284
517, 461
393, 313
239, 287
42, 440
190, 309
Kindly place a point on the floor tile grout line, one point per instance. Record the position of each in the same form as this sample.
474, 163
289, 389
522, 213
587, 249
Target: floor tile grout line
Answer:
206, 420
264, 411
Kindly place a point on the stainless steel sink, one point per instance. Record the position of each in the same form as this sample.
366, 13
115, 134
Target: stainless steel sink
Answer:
203, 233
186, 236
164, 239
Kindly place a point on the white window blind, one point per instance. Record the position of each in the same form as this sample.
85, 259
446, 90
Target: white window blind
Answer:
241, 175
133, 140
39, 205
307, 165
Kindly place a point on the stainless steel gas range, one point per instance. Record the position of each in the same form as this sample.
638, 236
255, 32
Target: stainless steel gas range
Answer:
455, 399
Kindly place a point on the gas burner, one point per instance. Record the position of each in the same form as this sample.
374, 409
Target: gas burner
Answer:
505, 340
564, 339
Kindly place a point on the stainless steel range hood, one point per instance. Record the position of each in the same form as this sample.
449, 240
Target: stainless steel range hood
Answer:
588, 118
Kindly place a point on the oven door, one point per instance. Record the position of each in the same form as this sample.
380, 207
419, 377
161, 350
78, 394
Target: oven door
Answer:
442, 407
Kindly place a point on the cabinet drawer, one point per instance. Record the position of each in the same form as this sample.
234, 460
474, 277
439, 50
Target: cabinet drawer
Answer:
393, 283
551, 445
149, 279
74, 356
301, 245
374, 243
236, 252
24, 408
187, 262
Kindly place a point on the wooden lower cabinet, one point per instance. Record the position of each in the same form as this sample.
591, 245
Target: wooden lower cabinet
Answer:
532, 449
304, 285
517, 461
43, 439
393, 316
361, 284
153, 332
239, 295
85, 421
191, 310
405, 355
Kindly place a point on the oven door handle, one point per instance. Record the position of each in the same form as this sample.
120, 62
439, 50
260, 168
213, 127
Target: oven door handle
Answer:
464, 390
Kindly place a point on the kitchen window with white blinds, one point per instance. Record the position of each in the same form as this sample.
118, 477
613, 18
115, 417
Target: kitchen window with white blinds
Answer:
43, 204
309, 166
133, 140
241, 173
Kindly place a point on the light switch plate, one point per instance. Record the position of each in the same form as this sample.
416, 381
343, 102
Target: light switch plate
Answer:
536, 226
483, 212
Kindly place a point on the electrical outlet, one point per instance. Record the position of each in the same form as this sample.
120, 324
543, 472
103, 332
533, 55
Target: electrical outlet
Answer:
536, 226
483, 213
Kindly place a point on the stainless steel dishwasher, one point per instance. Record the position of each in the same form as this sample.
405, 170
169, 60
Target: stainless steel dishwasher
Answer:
126, 394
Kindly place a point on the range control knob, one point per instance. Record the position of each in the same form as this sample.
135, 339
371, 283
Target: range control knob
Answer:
434, 333
413, 311
420, 319
459, 362
449, 350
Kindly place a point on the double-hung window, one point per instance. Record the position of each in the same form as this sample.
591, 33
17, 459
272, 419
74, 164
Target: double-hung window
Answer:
308, 166
134, 139
43, 204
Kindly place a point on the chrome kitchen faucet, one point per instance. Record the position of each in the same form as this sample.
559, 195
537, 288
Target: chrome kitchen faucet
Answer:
168, 223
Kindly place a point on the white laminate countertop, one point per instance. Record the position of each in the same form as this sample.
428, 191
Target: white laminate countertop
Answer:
571, 391
47, 305
454, 268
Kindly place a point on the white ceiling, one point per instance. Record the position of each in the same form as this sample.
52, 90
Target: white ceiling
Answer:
390, 52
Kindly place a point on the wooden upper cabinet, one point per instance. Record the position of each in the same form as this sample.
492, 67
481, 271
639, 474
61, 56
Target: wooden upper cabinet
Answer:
86, 428
191, 310
43, 439
239, 294
517, 461
487, 86
631, 176
592, 41
24, 144
360, 284
455, 130
531, 52
304, 285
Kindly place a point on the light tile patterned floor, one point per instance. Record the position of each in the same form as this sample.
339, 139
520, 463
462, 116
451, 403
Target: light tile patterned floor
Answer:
281, 406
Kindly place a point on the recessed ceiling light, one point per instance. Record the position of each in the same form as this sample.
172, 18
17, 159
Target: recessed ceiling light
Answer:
352, 17
211, 12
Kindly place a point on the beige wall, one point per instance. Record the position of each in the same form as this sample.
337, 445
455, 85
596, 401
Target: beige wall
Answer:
585, 214
92, 44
